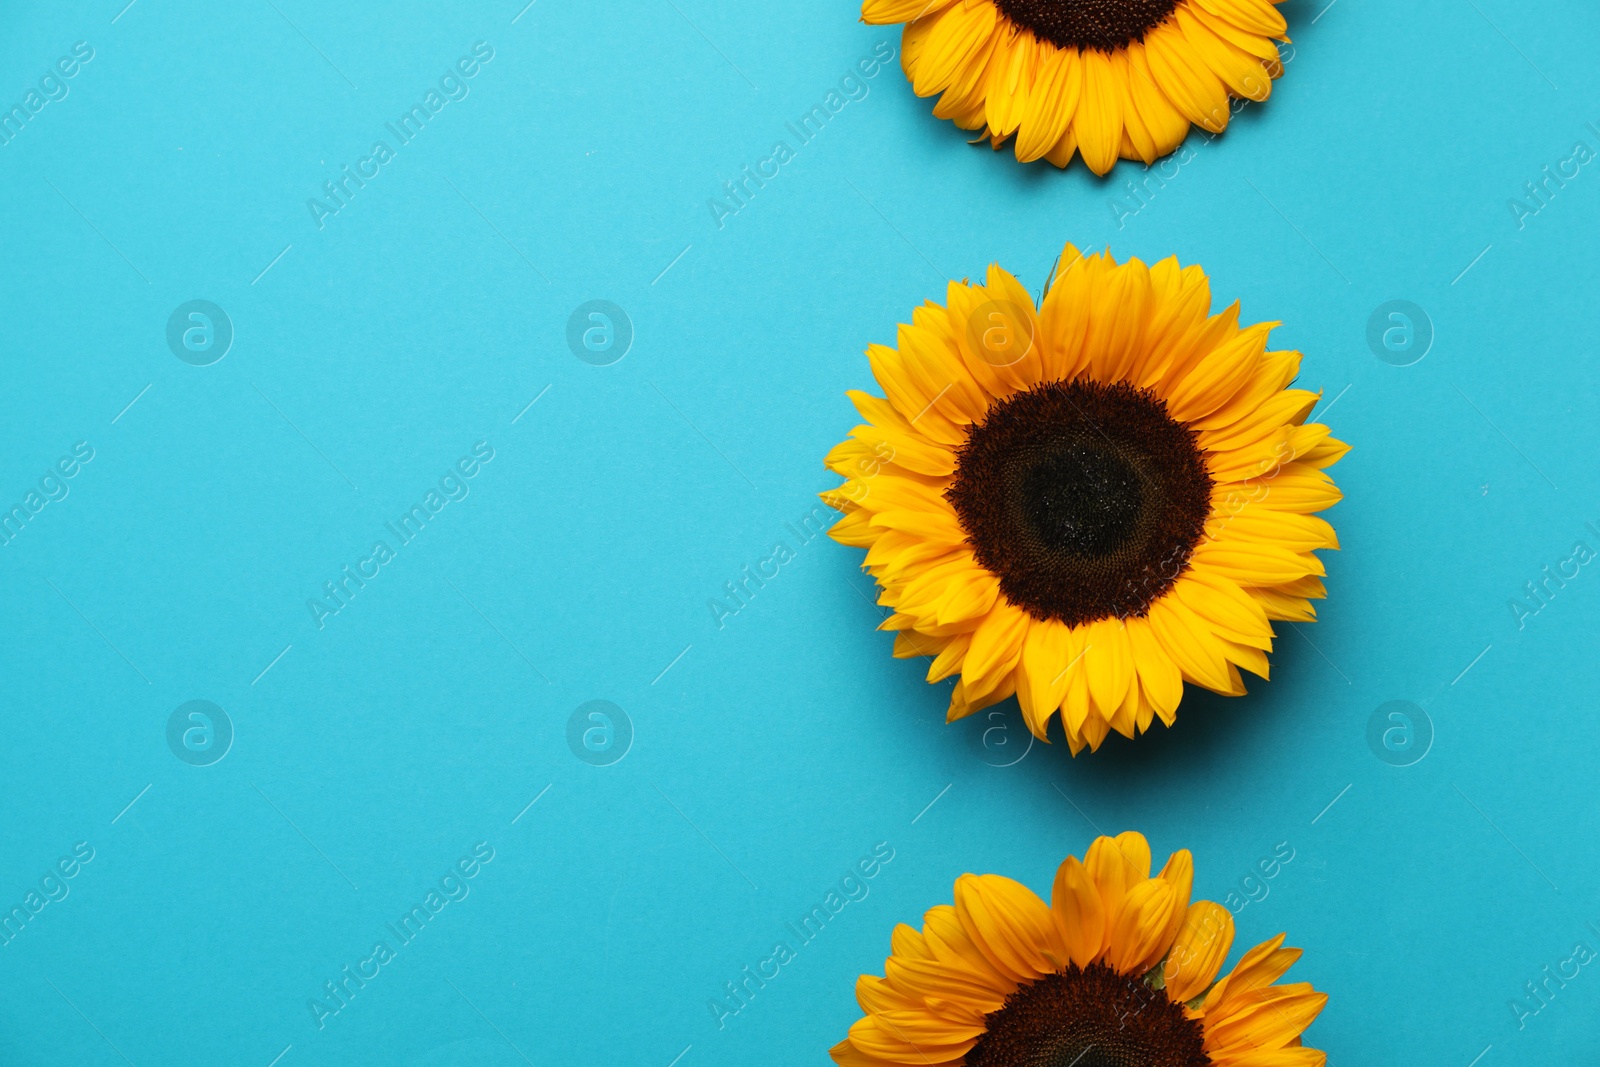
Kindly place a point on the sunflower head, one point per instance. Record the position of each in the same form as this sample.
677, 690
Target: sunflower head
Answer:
1104, 78
1088, 503
1118, 970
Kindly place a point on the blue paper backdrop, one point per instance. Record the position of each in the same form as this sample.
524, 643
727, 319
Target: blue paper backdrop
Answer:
421, 738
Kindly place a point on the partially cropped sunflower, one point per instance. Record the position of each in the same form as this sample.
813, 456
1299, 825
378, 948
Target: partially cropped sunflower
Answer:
1118, 970
1104, 78
1090, 503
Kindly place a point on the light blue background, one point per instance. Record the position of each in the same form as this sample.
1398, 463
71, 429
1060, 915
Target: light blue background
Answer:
774, 752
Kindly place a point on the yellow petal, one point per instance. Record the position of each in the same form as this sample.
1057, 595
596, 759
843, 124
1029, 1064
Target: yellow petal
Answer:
1080, 913
1225, 606
1064, 150
1043, 672
1157, 113
1009, 339
1109, 661
1052, 102
1184, 637
969, 318
1011, 74
1179, 874
1219, 375
996, 646
917, 979
1136, 933
1116, 865
1188, 83
1243, 74
953, 947
958, 33
948, 662
1064, 314
1181, 302
1259, 45
1257, 16
1197, 954
967, 601
1010, 925
1256, 564
934, 525
1114, 340
1098, 119
1159, 677
903, 1035
1257, 969
883, 12
1139, 142
909, 396
1274, 1021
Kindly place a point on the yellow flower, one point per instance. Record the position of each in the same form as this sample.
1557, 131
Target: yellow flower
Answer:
1118, 962
1104, 78
1089, 503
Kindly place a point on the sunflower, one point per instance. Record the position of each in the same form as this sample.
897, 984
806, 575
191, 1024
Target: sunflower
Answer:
1118, 962
1090, 503
1104, 78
